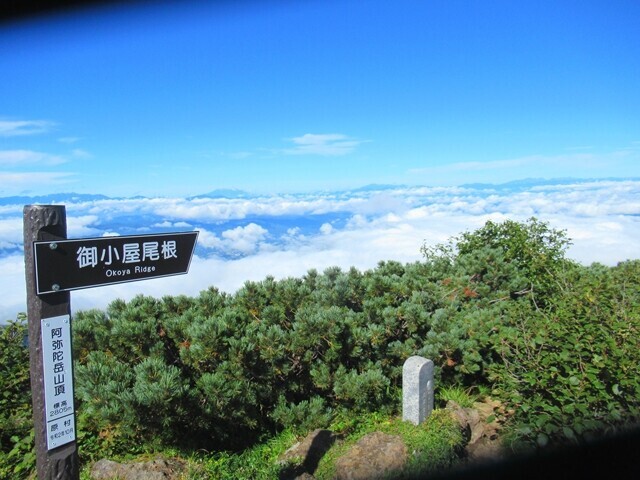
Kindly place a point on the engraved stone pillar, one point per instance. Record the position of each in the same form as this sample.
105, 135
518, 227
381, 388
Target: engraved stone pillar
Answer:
417, 389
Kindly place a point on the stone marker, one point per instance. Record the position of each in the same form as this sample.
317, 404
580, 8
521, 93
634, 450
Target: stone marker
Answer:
417, 389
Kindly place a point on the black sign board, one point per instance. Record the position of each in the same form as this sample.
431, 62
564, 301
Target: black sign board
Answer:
90, 262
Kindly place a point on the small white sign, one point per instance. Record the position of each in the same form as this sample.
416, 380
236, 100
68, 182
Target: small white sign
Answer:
58, 381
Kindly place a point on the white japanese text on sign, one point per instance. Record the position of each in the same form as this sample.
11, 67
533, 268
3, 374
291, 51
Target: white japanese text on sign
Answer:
131, 253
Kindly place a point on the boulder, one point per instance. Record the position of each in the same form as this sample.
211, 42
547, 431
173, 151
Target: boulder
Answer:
305, 455
157, 469
469, 421
372, 457
305, 476
480, 425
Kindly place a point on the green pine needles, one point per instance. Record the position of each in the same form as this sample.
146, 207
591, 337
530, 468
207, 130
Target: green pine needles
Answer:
499, 310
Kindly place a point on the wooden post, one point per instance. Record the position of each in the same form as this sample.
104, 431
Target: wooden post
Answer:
43, 223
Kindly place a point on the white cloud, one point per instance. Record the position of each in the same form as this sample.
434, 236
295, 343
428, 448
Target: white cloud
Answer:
595, 165
11, 235
328, 144
15, 128
530, 165
82, 226
208, 239
244, 239
326, 228
10, 158
13, 287
167, 224
80, 153
69, 140
356, 229
220, 209
15, 183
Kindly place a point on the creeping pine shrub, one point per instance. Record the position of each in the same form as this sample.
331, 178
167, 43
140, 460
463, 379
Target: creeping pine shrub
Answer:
304, 416
496, 309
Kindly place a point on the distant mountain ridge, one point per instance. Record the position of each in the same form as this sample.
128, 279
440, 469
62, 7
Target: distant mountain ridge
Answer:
231, 193
526, 183
223, 193
54, 198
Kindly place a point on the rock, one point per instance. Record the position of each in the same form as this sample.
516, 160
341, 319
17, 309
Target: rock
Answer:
372, 457
105, 470
305, 476
306, 455
469, 421
157, 469
488, 446
481, 435
311, 449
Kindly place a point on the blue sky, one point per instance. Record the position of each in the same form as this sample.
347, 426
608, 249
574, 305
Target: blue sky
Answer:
302, 103
278, 97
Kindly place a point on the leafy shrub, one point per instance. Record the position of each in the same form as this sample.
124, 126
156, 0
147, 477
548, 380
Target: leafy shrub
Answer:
16, 425
513, 257
571, 370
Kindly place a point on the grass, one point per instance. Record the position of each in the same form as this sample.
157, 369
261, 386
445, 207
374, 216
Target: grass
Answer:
463, 397
431, 446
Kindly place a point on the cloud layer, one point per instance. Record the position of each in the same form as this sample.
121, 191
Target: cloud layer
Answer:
328, 144
248, 238
13, 158
17, 128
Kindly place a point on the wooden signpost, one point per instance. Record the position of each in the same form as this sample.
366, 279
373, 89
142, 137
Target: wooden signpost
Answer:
54, 266
45, 223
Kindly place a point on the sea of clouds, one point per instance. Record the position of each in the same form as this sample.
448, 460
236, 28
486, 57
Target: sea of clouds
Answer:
245, 237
